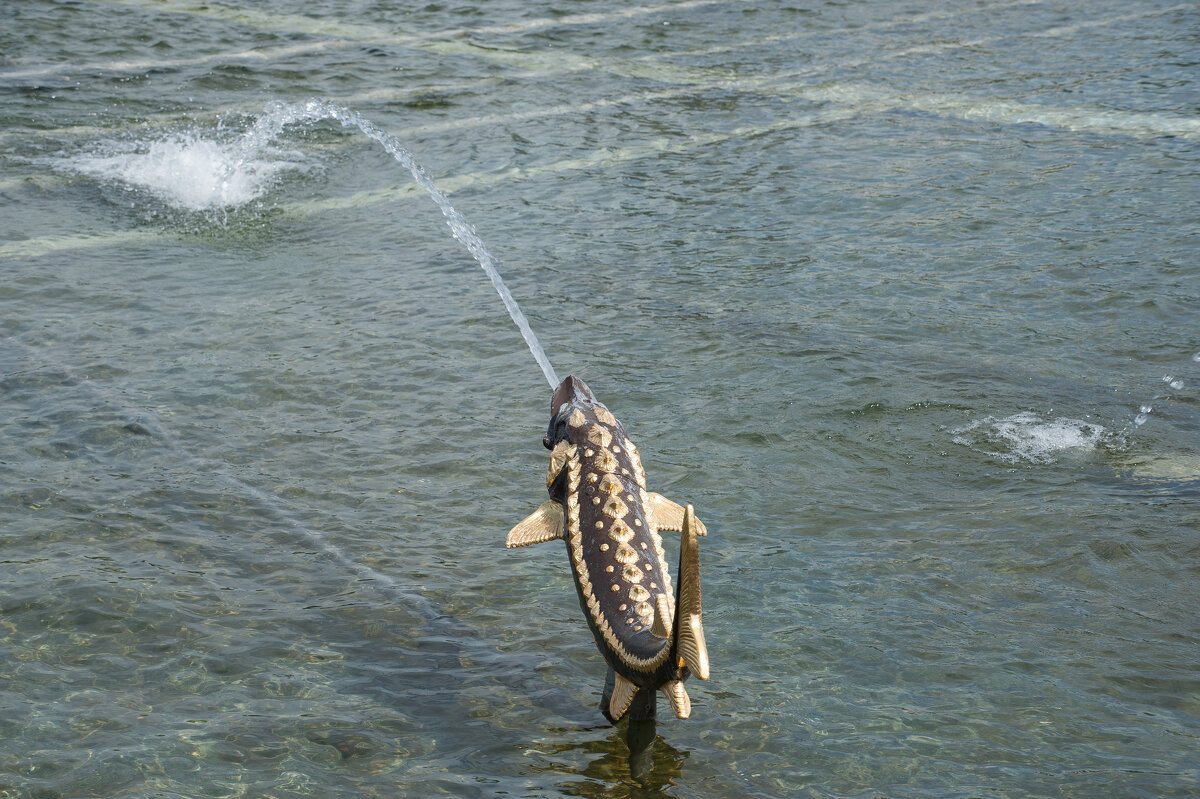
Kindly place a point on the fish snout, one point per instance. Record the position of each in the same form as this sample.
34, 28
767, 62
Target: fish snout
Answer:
571, 391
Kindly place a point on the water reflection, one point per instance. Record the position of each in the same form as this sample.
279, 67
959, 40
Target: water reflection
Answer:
640, 737
632, 760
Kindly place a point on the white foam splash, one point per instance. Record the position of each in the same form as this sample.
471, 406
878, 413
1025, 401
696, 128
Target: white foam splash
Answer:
1028, 438
189, 171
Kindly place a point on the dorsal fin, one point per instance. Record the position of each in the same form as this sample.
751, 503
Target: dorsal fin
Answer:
689, 634
544, 524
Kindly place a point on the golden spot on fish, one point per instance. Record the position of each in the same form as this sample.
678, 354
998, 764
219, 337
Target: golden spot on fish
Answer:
632, 574
610, 484
643, 545
558, 458
577, 419
593, 477
604, 547
623, 607
589, 452
644, 609
604, 415
616, 450
608, 569
616, 587
595, 500
654, 585
600, 524
637, 522
638, 594
615, 508
625, 472
607, 462
636, 461
599, 436
620, 533
625, 554
629, 497
629, 620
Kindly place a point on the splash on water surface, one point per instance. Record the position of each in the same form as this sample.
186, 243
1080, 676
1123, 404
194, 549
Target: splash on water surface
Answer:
1028, 438
190, 171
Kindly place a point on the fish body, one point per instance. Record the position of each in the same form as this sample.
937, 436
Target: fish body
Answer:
649, 634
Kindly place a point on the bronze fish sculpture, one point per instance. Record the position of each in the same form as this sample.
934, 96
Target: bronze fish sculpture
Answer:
650, 636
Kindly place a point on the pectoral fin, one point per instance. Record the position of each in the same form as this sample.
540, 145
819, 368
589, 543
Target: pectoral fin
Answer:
544, 524
668, 515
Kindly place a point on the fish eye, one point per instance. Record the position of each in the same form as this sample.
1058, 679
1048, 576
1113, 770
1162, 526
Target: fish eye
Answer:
556, 432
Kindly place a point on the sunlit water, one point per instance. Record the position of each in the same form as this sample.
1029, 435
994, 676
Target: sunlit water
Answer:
900, 296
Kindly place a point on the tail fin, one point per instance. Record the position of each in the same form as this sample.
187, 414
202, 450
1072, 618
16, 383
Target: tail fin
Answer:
689, 634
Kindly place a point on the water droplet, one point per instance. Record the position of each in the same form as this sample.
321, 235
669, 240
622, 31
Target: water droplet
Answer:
1176, 384
1168, 378
1140, 419
1146, 408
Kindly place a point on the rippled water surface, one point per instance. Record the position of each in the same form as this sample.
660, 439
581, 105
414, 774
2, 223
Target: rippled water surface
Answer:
902, 296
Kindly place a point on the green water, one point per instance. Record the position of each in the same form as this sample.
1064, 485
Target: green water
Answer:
902, 296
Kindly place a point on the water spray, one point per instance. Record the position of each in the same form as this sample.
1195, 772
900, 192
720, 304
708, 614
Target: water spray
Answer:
1173, 382
282, 115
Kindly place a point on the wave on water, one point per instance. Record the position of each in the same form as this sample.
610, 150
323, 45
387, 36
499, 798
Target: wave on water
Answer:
190, 171
1028, 438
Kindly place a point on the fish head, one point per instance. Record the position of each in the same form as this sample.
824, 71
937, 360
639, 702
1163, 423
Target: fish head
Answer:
571, 395
578, 424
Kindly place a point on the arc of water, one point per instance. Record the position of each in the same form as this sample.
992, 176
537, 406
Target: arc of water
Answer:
281, 115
